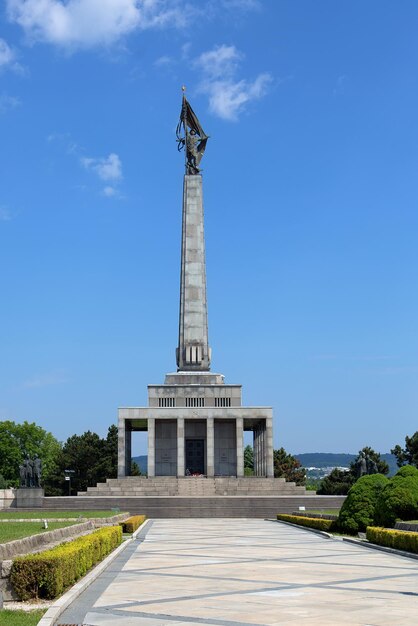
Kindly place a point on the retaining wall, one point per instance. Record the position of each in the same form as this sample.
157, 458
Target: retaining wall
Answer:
7, 498
194, 507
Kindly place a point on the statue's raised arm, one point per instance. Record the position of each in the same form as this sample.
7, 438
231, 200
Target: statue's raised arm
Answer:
191, 136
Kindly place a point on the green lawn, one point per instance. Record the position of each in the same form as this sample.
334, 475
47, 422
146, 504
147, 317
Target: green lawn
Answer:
17, 530
42, 514
20, 618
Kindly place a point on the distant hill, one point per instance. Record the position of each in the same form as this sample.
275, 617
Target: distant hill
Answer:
309, 459
142, 461
329, 459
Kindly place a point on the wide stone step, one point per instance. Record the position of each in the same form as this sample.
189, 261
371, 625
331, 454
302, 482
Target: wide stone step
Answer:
195, 507
193, 487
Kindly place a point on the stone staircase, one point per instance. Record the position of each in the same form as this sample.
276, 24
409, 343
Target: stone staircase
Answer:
194, 486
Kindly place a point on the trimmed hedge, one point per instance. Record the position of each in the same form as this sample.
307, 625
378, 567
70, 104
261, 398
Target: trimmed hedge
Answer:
398, 539
48, 573
358, 509
310, 522
131, 524
399, 499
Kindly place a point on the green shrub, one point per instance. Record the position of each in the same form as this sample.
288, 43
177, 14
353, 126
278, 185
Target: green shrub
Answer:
399, 499
310, 522
358, 509
47, 574
131, 524
398, 539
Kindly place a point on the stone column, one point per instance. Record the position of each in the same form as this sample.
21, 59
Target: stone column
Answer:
121, 449
151, 446
264, 451
128, 448
180, 446
240, 446
256, 450
269, 448
210, 447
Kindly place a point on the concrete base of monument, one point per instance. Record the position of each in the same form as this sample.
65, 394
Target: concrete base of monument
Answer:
196, 497
194, 486
29, 498
157, 507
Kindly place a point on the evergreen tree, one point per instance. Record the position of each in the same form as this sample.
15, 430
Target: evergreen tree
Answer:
337, 483
288, 467
409, 454
248, 457
89, 458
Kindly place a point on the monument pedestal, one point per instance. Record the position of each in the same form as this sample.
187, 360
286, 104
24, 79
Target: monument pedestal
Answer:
29, 498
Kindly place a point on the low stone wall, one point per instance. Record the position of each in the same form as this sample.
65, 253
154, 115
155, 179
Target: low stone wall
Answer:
7, 498
36, 542
316, 515
406, 526
98, 522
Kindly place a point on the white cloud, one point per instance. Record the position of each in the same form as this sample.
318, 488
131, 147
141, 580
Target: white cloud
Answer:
227, 99
222, 60
5, 215
244, 5
164, 61
340, 85
6, 53
7, 103
107, 168
45, 380
227, 95
8, 58
109, 191
88, 23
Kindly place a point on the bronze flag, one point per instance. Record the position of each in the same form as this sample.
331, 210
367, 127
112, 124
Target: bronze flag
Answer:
194, 139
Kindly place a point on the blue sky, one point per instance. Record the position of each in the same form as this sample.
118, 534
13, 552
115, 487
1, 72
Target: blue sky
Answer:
311, 203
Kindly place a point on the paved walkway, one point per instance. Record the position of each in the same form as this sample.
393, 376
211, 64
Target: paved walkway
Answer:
248, 572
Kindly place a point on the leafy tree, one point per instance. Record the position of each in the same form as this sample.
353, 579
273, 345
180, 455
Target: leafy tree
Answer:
358, 509
27, 439
369, 453
248, 457
288, 467
313, 484
399, 499
3, 483
337, 483
409, 454
91, 459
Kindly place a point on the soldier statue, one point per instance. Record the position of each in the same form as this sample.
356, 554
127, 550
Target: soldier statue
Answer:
37, 471
191, 137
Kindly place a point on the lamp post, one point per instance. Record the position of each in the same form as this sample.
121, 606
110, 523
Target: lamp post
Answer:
67, 476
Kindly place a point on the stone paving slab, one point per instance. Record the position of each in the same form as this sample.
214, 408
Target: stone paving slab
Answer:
247, 572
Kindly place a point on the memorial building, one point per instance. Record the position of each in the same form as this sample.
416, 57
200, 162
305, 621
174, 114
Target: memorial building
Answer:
195, 421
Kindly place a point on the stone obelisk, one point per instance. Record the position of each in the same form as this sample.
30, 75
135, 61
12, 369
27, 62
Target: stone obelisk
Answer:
193, 352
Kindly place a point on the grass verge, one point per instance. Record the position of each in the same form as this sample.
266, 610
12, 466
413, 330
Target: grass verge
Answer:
20, 618
19, 530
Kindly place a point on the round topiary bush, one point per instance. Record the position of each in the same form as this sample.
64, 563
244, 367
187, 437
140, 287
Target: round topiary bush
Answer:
358, 509
399, 499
